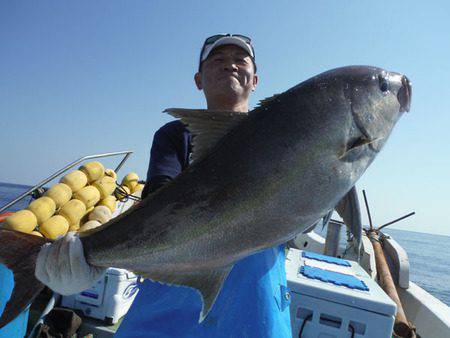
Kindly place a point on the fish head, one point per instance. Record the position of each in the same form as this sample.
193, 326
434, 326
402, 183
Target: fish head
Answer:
342, 118
377, 98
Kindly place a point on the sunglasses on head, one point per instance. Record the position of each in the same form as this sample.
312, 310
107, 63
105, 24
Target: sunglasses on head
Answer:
212, 39
216, 37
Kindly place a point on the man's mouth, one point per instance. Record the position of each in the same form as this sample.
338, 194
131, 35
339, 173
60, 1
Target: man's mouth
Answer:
228, 76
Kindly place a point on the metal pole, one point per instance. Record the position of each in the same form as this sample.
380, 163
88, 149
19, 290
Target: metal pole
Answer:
367, 208
396, 220
332, 240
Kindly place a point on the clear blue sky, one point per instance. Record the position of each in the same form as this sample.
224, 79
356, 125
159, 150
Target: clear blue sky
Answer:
86, 77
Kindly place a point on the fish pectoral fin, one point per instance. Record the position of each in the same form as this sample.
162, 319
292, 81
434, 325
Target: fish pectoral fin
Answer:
208, 126
355, 148
207, 283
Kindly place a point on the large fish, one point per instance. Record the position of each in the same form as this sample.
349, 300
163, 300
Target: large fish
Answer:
257, 180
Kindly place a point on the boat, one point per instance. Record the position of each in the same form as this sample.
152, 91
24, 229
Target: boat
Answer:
324, 305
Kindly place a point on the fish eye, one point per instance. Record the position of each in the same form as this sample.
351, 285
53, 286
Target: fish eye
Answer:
384, 83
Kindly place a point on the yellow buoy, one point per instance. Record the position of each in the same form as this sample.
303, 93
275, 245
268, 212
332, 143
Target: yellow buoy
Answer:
75, 180
73, 211
121, 192
23, 221
89, 195
43, 208
130, 180
110, 202
138, 187
93, 170
105, 186
85, 217
89, 225
74, 227
54, 227
111, 173
36, 233
100, 213
60, 193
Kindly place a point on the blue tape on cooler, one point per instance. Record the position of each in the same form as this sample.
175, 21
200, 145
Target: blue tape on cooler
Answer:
323, 258
333, 277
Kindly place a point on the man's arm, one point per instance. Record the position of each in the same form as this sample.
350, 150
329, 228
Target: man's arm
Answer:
154, 184
168, 156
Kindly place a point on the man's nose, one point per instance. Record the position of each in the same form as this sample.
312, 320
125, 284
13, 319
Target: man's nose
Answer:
230, 66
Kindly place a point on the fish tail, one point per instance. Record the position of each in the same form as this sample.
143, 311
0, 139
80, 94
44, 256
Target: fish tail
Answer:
18, 252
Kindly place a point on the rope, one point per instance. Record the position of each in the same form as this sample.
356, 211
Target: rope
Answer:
123, 193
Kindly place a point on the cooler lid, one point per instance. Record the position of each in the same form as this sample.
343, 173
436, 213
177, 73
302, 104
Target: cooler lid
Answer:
319, 276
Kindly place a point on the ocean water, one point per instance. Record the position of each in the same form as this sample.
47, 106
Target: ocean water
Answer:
8, 192
429, 255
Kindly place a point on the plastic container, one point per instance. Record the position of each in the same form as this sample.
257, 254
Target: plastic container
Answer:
333, 297
109, 299
18, 327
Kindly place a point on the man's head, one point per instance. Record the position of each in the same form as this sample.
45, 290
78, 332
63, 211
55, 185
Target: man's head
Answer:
227, 72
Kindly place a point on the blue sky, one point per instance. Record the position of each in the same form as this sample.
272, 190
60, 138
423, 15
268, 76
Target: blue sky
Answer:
89, 77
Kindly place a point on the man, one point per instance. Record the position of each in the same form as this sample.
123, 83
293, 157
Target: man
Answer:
254, 301
227, 76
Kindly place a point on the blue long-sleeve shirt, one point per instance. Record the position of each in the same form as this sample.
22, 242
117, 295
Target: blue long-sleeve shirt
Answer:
254, 300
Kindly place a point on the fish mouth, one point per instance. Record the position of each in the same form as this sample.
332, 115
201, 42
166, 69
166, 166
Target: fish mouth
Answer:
404, 94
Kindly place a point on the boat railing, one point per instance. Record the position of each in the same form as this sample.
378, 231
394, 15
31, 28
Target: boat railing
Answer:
66, 168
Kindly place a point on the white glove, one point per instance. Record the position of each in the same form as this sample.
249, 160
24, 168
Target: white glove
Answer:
61, 266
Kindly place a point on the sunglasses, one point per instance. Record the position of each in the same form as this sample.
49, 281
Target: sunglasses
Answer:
212, 39
216, 37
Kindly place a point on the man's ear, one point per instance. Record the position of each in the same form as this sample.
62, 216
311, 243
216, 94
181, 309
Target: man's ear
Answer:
198, 80
255, 81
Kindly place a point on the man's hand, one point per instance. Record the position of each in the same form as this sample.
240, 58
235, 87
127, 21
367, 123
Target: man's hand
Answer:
61, 266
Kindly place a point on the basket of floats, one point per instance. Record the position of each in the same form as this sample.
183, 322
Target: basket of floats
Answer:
82, 200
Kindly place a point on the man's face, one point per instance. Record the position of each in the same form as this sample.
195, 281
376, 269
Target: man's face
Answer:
227, 73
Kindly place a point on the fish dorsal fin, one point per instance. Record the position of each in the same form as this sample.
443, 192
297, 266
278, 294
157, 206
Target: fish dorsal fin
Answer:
208, 126
207, 283
269, 100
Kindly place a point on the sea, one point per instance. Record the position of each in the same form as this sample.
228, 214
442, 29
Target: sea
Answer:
428, 254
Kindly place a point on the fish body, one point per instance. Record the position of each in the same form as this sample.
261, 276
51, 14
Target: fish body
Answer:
258, 179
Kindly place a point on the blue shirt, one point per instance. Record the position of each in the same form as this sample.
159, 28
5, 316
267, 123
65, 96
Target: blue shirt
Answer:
253, 302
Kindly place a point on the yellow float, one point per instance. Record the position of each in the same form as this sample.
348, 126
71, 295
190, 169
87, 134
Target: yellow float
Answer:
74, 227
54, 227
138, 187
110, 202
73, 211
60, 193
75, 180
89, 195
89, 225
130, 180
43, 208
100, 213
93, 170
121, 192
111, 173
23, 221
105, 186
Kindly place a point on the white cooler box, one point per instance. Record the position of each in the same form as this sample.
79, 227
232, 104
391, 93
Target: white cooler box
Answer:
109, 299
332, 297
